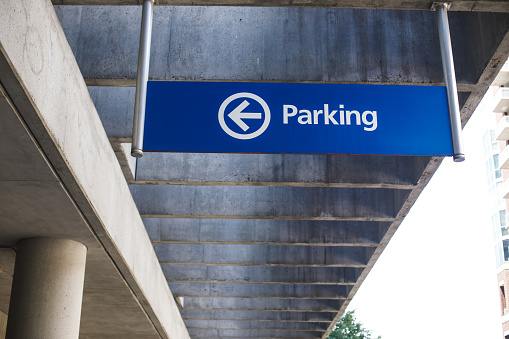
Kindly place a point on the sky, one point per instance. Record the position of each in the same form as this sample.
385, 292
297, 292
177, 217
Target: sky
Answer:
437, 276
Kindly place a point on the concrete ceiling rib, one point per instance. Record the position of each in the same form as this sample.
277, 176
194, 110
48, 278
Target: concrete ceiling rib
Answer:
262, 274
298, 291
228, 333
265, 231
253, 325
255, 304
258, 316
256, 202
263, 255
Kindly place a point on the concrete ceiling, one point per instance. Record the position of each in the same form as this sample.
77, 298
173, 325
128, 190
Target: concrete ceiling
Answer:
275, 246
456, 5
258, 245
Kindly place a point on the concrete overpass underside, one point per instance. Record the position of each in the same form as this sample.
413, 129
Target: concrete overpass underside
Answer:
255, 245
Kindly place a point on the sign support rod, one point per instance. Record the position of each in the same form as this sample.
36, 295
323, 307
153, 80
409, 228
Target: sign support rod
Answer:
450, 78
142, 79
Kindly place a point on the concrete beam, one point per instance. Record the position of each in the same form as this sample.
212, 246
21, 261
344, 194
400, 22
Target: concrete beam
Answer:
294, 305
262, 275
265, 231
251, 202
457, 5
253, 325
217, 333
286, 291
261, 316
280, 170
50, 100
263, 255
242, 337
318, 44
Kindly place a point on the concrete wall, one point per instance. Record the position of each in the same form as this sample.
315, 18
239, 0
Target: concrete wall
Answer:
279, 44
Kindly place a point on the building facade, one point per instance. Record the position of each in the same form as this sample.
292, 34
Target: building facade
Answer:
495, 141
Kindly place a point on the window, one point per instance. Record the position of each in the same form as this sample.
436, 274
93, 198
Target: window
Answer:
505, 244
502, 300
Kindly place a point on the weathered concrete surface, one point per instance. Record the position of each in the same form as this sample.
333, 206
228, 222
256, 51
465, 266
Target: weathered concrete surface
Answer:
457, 5
63, 180
281, 170
115, 106
262, 316
295, 305
215, 333
243, 337
262, 274
47, 289
299, 291
273, 44
262, 231
245, 202
246, 325
263, 255
7, 258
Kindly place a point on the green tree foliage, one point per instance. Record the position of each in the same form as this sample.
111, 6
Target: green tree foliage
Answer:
349, 328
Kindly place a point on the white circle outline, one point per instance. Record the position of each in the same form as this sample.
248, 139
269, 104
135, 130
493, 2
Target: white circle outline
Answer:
238, 135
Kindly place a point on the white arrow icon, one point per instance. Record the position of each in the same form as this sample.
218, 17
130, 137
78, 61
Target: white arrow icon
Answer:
237, 115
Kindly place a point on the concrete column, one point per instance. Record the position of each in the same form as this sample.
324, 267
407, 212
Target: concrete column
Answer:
3, 324
47, 289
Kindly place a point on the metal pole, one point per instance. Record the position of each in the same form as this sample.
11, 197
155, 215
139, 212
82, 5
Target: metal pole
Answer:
450, 79
141, 81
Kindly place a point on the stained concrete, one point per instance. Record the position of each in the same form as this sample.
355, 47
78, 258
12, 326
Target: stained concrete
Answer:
294, 203
298, 291
295, 305
261, 316
262, 274
265, 231
272, 44
457, 5
246, 325
263, 255
304, 170
223, 333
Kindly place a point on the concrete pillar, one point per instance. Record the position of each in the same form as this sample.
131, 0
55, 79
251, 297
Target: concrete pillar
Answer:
47, 289
3, 324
